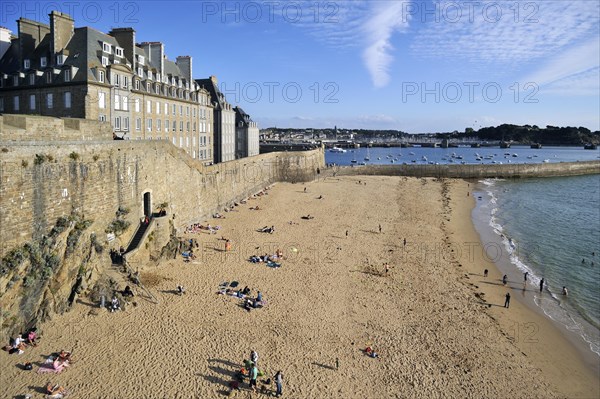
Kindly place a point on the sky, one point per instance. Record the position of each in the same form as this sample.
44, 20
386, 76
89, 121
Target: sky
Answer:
415, 66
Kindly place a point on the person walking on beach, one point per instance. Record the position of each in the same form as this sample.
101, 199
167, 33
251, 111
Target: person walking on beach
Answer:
380, 229
405, 243
541, 285
346, 233
507, 300
254, 355
253, 376
485, 273
279, 383
227, 245
564, 291
387, 269
525, 276
504, 279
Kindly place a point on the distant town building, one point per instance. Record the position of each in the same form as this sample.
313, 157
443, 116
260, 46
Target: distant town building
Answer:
62, 71
246, 131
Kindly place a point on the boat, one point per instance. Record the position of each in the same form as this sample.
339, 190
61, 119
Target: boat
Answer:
546, 160
411, 153
536, 146
504, 144
368, 157
362, 163
590, 146
515, 155
354, 161
424, 158
337, 149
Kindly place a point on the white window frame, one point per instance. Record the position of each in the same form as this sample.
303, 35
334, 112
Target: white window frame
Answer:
67, 100
149, 74
158, 125
102, 118
149, 124
104, 61
157, 108
148, 106
119, 52
107, 47
125, 103
125, 126
101, 76
137, 105
67, 75
115, 79
137, 84
124, 81
138, 124
166, 109
117, 123
43, 62
26, 63
141, 59
167, 124
117, 102
101, 100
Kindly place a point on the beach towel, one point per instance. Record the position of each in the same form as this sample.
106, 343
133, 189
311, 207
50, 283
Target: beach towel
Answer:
234, 284
49, 368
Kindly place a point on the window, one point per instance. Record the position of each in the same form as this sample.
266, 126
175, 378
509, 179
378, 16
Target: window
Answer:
32, 102
157, 77
149, 75
101, 100
174, 128
140, 72
194, 126
124, 82
187, 111
125, 123
101, 76
166, 109
181, 110
107, 47
50, 100
138, 124
167, 125
117, 102
148, 87
117, 123
32, 79
102, 118
148, 106
16, 103
157, 108
16, 80
104, 61
158, 125
118, 51
149, 124
141, 59
187, 127
157, 88
26, 64
194, 112
67, 99
181, 126
174, 109
115, 79
43, 62
68, 75
137, 105
181, 141
137, 84
60, 59
125, 102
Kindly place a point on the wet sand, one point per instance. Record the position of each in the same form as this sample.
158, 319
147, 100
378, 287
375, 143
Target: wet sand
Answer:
329, 300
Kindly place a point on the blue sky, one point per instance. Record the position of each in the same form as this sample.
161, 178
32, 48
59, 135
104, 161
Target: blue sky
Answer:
416, 66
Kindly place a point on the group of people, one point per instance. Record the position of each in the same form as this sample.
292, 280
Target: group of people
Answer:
564, 291
22, 341
251, 371
267, 229
278, 255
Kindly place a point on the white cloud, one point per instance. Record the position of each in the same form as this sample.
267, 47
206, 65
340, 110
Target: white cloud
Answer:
386, 19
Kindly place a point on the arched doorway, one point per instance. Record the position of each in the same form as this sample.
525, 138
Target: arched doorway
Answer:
147, 205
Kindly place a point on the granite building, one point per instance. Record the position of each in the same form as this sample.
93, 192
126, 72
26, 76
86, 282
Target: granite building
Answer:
246, 131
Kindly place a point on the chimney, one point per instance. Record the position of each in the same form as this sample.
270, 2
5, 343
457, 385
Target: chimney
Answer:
4, 40
62, 28
184, 63
126, 39
155, 52
31, 34
213, 78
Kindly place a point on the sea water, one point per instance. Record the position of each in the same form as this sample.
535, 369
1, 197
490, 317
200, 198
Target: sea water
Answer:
550, 227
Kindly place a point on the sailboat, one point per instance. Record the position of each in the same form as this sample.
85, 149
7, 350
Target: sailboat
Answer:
367, 158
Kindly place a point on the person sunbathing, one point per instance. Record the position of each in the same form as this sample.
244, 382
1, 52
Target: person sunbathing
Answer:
55, 390
64, 356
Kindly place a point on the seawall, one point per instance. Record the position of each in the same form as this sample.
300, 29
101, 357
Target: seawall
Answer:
42, 181
471, 171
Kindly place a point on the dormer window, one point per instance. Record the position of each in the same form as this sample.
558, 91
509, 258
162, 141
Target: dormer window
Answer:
32, 79
140, 72
48, 77
101, 76
43, 62
104, 61
137, 84
15, 80
141, 59
106, 47
67, 75
26, 64
148, 87
173, 81
60, 59
118, 51
149, 75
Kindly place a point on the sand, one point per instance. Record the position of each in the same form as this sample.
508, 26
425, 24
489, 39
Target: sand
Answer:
329, 300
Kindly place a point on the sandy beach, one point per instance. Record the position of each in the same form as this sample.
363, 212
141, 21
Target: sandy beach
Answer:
428, 319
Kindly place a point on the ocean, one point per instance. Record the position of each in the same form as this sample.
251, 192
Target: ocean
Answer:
550, 228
